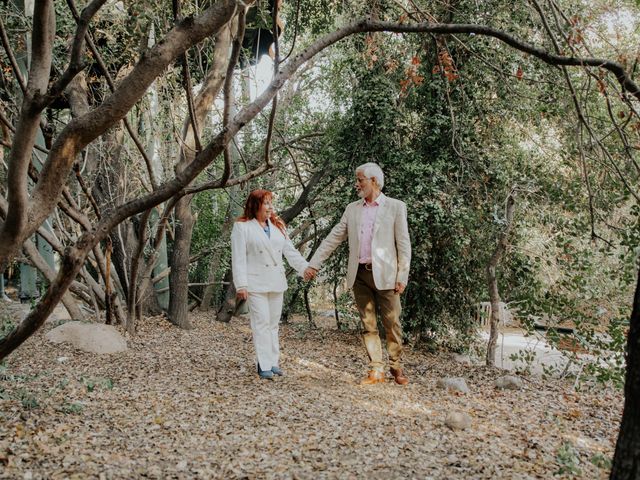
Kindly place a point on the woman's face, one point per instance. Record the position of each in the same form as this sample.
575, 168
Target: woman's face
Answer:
266, 209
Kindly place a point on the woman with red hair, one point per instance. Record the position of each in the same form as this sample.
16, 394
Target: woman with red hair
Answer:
258, 241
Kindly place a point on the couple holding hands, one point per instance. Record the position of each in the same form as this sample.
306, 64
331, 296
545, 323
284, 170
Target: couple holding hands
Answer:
378, 271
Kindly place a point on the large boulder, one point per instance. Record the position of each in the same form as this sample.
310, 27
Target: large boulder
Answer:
89, 337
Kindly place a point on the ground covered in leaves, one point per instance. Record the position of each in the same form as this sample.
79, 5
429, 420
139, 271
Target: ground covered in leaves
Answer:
187, 404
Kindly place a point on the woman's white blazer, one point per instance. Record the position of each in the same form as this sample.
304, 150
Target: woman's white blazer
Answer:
256, 259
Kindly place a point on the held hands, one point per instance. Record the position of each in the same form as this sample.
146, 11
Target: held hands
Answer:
242, 294
310, 273
399, 288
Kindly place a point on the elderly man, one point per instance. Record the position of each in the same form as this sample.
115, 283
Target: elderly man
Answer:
378, 271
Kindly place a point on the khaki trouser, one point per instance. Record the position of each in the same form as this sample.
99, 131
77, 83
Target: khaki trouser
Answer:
367, 296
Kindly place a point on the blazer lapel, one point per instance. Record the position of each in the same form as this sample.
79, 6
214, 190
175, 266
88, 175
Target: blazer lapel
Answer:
358, 219
380, 216
263, 239
273, 240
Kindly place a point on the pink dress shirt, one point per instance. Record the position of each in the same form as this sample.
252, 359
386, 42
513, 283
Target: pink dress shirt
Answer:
369, 212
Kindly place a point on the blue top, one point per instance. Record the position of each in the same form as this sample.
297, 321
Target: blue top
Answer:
267, 230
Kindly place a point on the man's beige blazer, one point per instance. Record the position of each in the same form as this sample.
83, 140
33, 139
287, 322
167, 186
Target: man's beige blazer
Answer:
390, 247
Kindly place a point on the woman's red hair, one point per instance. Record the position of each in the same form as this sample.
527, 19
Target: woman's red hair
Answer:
253, 204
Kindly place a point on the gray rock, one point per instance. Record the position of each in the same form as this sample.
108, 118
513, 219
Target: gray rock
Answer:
510, 382
89, 337
464, 359
456, 384
458, 421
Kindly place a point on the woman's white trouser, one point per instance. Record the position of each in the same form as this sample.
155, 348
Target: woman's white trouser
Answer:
264, 311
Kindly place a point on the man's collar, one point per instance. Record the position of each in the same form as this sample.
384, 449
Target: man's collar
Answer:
379, 200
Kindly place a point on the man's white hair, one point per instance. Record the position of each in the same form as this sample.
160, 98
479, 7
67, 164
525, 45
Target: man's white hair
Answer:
372, 170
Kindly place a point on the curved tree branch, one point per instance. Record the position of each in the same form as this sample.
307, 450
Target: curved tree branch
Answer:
28, 124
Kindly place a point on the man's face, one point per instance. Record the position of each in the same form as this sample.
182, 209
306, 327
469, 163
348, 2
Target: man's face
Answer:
364, 185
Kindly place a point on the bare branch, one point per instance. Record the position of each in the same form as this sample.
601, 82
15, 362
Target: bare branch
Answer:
76, 64
227, 90
186, 83
276, 67
231, 182
80, 131
12, 58
112, 87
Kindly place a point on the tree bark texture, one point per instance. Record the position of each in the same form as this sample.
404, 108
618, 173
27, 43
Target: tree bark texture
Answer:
179, 276
214, 264
67, 299
626, 460
228, 307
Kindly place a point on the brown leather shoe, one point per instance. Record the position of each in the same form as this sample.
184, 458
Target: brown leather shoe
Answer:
399, 377
373, 378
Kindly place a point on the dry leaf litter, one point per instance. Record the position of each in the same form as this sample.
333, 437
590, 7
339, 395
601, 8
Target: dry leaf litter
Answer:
188, 404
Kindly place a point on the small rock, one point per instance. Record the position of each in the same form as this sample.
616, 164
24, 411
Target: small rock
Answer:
510, 382
463, 359
62, 359
456, 384
458, 421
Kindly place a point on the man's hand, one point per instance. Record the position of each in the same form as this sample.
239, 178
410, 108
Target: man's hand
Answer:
399, 287
310, 273
242, 294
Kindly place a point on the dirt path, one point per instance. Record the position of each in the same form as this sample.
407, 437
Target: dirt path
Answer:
188, 405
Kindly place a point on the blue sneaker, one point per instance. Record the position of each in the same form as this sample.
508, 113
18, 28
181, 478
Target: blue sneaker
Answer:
265, 374
277, 371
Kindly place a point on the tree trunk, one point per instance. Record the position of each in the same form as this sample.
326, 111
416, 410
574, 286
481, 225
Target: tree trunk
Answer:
179, 277
307, 306
626, 460
494, 298
214, 265
335, 305
228, 307
492, 281
49, 273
